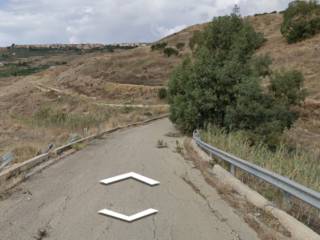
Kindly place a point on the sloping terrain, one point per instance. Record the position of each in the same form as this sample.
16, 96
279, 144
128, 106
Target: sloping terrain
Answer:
63, 201
27, 126
84, 84
302, 56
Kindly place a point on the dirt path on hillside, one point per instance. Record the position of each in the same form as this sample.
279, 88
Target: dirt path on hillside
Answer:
94, 101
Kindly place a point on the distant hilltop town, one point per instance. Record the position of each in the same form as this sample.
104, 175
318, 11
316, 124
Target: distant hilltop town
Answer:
83, 46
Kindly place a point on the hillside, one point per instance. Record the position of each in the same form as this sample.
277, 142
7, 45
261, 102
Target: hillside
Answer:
303, 56
85, 84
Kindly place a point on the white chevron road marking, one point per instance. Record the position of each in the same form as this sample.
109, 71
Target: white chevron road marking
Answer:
133, 175
126, 218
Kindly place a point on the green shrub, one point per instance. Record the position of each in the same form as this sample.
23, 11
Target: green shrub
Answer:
21, 69
222, 84
180, 45
301, 21
200, 90
261, 65
158, 46
162, 93
264, 116
286, 87
194, 39
169, 51
127, 109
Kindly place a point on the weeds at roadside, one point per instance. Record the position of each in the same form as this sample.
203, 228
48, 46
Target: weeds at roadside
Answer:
296, 164
259, 219
22, 152
55, 120
79, 146
161, 144
179, 148
42, 233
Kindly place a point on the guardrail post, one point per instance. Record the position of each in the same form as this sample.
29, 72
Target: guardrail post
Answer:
286, 203
232, 169
85, 132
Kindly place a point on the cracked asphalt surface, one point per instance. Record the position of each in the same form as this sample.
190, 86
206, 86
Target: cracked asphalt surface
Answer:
63, 200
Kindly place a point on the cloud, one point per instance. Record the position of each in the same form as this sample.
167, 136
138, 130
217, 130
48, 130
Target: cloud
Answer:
168, 31
109, 21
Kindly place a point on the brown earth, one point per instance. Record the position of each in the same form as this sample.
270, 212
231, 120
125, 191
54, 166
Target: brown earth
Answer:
134, 77
305, 57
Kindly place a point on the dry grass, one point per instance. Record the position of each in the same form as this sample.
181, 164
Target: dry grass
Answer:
133, 76
138, 66
302, 56
266, 226
131, 94
300, 166
38, 118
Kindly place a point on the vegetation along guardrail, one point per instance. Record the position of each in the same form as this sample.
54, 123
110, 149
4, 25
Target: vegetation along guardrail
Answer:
285, 184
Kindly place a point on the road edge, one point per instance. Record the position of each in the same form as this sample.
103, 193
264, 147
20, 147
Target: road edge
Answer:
298, 230
15, 174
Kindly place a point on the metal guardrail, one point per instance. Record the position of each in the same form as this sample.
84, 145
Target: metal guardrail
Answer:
6, 160
285, 184
15, 174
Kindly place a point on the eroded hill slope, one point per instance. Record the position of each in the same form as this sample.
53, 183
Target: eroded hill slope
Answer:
84, 83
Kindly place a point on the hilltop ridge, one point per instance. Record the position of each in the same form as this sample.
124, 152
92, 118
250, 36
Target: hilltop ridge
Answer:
134, 76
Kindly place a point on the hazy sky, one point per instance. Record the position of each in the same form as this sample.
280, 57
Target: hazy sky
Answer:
109, 21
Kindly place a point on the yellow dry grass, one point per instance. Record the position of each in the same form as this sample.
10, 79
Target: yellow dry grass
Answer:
130, 93
134, 76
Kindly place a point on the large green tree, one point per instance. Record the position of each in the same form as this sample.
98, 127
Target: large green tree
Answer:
221, 83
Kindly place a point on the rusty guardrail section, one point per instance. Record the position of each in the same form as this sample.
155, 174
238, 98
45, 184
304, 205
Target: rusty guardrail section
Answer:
285, 184
12, 176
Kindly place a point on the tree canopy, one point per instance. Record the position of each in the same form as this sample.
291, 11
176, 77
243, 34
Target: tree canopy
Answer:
221, 84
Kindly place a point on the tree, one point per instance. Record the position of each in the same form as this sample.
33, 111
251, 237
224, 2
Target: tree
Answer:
301, 20
162, 93
222, 84
206, 85
158, 46
169, 51
180, 45
265, 115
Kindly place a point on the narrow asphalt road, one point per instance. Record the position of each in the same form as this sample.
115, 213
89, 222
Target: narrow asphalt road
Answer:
64, 199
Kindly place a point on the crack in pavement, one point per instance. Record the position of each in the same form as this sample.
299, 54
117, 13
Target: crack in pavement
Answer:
154, 228
214, 211
171, 233
170, 193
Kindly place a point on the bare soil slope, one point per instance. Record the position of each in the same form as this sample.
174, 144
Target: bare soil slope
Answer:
131, 77
305, 57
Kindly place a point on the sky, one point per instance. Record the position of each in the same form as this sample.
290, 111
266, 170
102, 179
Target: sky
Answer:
112, 21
